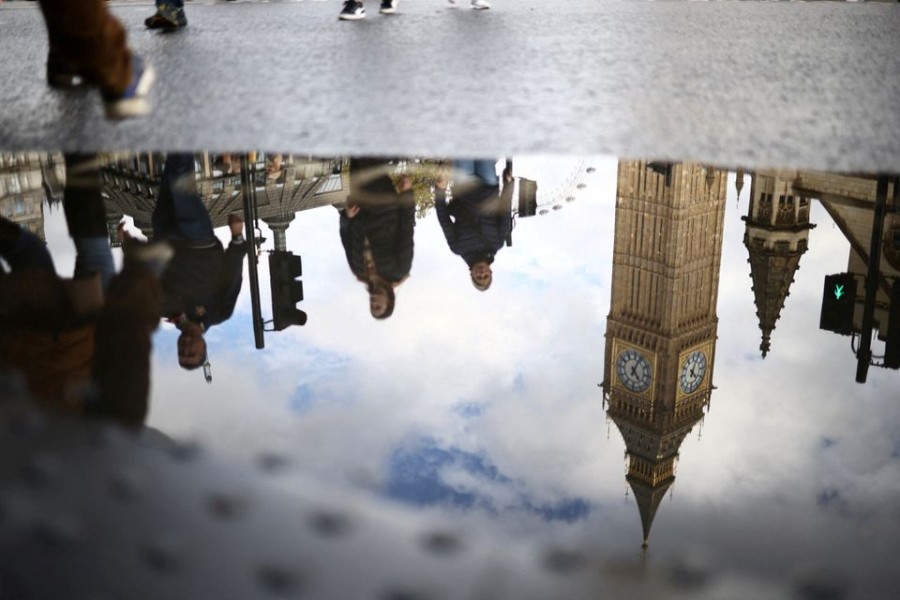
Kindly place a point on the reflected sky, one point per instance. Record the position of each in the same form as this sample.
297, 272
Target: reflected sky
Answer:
487, 406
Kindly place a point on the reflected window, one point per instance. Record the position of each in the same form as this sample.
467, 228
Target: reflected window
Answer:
332, 183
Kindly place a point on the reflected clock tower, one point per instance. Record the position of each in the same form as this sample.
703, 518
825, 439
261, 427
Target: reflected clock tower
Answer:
661, 329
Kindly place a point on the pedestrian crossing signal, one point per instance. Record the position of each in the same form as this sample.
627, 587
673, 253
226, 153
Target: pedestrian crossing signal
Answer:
287, 290
838, 303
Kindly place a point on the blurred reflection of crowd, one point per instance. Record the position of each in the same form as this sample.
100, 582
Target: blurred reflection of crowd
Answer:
84, 342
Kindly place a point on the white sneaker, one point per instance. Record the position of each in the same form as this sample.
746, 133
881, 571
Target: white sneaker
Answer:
481, 4
353, 11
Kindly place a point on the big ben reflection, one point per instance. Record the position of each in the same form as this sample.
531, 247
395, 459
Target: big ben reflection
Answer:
661, 329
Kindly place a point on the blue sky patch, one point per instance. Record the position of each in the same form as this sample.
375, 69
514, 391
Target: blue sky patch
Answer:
415, 477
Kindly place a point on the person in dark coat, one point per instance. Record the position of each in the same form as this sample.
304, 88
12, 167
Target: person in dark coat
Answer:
377, 231
477, 221
82, 344
203, 280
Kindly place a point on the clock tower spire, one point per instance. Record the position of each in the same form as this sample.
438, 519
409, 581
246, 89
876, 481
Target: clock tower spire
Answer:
776, 236
661, 329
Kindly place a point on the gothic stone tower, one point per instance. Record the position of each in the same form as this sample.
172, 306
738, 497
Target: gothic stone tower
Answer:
661, 329
776, 236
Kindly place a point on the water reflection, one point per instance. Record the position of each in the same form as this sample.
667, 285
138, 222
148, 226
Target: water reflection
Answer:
202, 281
484, 406
477, 219
83, 343
376, 227
662, 325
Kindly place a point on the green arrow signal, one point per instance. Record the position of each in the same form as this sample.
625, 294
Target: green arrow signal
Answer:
838, 291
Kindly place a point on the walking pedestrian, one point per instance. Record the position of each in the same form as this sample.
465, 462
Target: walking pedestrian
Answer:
354, 10
88, 46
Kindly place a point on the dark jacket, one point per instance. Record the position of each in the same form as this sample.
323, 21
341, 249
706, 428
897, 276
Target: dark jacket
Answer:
203, 283
389, 230
387, 219
60, 351
477, 223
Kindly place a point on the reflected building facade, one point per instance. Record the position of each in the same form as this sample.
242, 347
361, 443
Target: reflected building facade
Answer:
850, 202
776, 235
25, 181
284, 185
662, 324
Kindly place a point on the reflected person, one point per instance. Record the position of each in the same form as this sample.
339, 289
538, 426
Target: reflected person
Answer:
81, 350
376, 230
202, 283
477, 220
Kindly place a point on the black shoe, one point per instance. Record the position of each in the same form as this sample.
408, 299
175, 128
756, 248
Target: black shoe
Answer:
63, 76
167, 18
353, 11
388, 7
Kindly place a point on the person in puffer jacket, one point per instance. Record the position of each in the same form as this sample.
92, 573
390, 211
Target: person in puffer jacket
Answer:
477, 221
376, 228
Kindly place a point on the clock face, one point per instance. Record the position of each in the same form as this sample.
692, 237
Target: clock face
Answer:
693, 371
633, 369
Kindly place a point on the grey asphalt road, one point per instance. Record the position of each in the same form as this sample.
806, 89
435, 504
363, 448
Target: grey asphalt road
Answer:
813, 85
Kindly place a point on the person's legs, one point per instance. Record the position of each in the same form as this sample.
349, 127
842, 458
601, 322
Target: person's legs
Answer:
178, 190
62, 70
472, 174
86, 217
88, 45
123, 345
163, 218
463, 168
486, 170
91, 40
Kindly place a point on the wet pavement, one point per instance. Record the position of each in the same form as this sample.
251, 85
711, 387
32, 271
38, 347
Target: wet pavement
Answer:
650, 349
761, 84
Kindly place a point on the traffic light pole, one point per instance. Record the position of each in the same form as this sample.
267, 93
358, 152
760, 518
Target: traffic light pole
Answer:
248, 189
864, 355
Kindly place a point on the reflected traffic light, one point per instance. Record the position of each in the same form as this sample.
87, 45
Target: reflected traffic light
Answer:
838, 303
287, 290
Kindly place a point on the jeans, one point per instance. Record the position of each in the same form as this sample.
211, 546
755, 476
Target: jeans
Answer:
180, 213
85, 39
86, 217
485, 170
